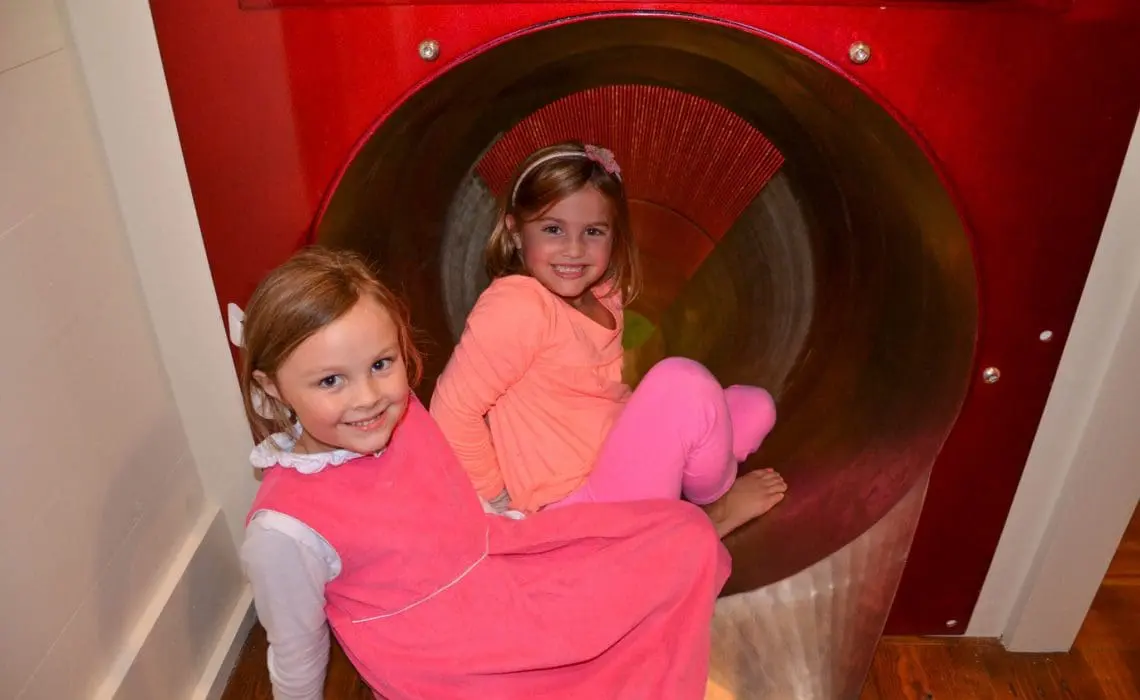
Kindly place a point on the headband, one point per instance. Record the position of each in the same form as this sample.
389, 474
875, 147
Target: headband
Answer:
602, 156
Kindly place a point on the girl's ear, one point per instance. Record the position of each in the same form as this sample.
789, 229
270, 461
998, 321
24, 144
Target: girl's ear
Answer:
266, 384
265, 397
516, 237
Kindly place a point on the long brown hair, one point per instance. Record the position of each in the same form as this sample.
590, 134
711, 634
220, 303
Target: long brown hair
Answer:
545, 185
309, 291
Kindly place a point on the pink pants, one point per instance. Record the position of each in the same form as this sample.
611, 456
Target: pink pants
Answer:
679, 434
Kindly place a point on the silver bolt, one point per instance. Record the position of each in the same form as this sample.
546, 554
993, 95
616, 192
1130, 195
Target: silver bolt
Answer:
991, 374
860, 53
951, 623
1046, 336
429, 49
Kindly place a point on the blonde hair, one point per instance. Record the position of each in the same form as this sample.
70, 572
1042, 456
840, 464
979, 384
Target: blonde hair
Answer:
543, 180
309, 291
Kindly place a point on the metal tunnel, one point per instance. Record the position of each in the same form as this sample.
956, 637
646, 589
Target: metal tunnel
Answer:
795, 236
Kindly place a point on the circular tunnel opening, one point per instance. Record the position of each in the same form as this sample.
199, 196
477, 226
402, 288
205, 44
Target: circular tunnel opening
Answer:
795, 236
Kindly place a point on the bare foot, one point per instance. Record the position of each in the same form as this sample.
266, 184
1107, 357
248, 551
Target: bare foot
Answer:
751, 496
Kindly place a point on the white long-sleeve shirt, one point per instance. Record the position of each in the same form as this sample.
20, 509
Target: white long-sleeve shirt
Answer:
288, 565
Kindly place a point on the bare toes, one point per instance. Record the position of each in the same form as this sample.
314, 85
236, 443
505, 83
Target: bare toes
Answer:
768, 478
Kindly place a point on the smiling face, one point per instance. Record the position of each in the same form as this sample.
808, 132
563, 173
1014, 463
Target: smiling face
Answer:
567, 247
347, 383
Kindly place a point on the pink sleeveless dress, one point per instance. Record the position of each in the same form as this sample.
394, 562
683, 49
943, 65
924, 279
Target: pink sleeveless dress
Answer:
437, 599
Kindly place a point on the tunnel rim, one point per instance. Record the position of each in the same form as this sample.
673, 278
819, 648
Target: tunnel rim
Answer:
920, 156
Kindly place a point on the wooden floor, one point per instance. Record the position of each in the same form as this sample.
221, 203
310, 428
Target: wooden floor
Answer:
1104, 663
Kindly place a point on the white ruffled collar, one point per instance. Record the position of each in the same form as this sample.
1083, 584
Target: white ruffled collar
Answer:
277, 451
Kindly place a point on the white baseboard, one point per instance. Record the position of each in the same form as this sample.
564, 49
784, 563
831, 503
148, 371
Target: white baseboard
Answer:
199, 601
225, 656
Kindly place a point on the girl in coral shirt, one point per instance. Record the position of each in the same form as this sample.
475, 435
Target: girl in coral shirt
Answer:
532, 399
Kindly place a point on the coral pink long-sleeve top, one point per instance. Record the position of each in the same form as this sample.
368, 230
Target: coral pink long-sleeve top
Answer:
531, 391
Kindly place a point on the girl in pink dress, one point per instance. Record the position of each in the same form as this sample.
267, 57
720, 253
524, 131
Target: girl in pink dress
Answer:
366, 523
532, 399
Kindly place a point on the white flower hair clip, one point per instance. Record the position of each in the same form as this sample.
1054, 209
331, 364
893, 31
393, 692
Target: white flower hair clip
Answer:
605, 158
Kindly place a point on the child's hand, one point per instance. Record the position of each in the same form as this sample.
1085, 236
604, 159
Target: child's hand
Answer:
501, 501
498, 504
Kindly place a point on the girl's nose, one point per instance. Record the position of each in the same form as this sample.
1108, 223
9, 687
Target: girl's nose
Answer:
368, 393
575, 245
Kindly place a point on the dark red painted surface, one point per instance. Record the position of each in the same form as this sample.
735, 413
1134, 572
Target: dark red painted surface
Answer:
1026, 110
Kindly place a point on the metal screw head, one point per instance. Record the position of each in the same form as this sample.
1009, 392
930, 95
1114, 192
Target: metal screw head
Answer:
1046, 336
429, 49
990, 375
859, 53
951, 623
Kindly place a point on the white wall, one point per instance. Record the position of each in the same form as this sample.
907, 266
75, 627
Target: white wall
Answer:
119, 57
1082, 479
119, 572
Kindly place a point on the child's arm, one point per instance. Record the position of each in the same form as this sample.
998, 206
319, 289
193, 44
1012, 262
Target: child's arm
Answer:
288, 578
504, 333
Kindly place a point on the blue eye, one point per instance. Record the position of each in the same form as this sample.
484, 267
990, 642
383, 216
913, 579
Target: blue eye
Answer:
382, 364
330, 381
553, 230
